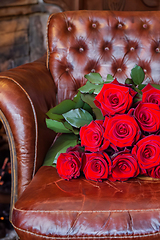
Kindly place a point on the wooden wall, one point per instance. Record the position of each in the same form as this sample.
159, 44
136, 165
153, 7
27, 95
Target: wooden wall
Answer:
22, 31
131, 5
120, 5
23, 24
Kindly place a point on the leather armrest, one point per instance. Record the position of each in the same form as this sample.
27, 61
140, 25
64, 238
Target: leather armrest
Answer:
26, 94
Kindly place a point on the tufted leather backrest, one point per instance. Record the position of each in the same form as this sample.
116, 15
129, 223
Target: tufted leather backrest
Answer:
80, 42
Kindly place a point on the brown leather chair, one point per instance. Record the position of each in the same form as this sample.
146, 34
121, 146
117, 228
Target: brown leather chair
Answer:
43, 205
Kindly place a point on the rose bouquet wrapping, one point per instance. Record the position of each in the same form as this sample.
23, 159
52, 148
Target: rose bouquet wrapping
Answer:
108, 131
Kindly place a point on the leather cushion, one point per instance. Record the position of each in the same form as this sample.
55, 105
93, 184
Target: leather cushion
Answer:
101, 41
52, 208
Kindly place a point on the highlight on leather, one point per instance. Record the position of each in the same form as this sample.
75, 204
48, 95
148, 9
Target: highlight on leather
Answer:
101, 41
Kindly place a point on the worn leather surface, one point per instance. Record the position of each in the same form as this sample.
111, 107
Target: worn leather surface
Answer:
102, 41
53, 208
26, 94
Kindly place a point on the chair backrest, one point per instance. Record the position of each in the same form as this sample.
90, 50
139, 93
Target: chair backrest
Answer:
80, 42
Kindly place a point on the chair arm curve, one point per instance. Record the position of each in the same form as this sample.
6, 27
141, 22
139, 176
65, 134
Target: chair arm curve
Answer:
26, 94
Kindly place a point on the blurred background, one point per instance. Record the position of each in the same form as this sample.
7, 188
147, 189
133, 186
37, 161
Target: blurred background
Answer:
23, 24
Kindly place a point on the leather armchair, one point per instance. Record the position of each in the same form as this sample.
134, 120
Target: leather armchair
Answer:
43, 205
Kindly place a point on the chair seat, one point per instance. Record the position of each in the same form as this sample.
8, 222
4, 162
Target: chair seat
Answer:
53, 208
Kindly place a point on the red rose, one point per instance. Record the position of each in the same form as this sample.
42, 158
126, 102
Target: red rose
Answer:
147, 151
96, 166
148, 116
92, 136
151, 94
122, 130
114, 98
124, 166
69, 164
154, 172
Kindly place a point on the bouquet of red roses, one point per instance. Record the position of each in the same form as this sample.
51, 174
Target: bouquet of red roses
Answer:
108, 131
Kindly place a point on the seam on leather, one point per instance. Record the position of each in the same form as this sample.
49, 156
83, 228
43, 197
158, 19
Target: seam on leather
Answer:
48, 22
13, 155
35, 118
48, 53
88, 211
89, 237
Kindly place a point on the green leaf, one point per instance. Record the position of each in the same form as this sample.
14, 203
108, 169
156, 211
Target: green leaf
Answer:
60, 146
136, 89
156, 86
87, 87
78, 100
98, 113
87, 108
56, 126
91, 88
78, 117
109, 78
76, 131
73, 129
89, 99
67, 125
79, 104
98, 88
137, 75
129, 81
137, 98
61, 108
141, 86
94, 78
77, 97
56, 117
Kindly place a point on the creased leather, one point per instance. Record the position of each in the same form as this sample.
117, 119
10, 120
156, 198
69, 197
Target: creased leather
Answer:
26, 94
102, 41
80, 209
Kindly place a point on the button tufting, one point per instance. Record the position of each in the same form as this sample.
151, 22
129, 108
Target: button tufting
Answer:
132, 49
93, 70
119, 69
67, 69
145, 70
120, 25
69, 29
94, 25
81, 49
145, 25
157, 50
106, 48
